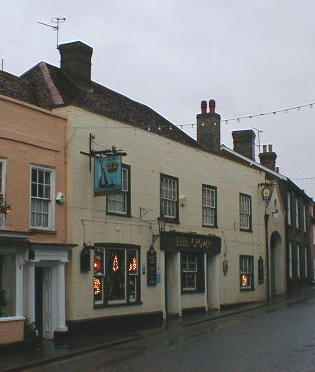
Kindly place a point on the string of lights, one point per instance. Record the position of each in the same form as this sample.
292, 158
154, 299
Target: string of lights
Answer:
163, 128
261, 114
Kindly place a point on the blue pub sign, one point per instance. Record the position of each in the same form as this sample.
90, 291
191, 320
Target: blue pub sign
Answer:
107, 174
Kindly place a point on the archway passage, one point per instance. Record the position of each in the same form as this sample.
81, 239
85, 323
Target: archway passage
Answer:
275, 252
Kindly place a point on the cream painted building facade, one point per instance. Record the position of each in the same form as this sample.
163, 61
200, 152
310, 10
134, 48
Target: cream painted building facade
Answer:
149, 155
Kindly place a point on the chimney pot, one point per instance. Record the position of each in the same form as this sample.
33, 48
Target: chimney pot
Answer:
203, 107
208, 128
268, 158
212, 106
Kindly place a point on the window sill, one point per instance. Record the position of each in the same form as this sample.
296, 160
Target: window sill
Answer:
210, 226
118, 214
170, 220
247, 230
42, 231
247, 289
196, 291
104, 306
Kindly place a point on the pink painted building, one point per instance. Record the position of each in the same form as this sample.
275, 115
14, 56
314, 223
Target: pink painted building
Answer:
33, 247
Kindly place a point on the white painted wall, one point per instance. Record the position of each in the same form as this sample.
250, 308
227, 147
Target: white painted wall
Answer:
149, 155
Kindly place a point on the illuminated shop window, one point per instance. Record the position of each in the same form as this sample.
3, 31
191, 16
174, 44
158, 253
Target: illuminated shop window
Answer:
99, 274
133, 275
247, 272
116, 276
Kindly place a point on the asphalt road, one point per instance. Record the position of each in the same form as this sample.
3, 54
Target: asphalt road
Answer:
279, 338
274, 339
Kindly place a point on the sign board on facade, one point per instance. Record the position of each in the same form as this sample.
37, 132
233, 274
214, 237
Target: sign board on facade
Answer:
151, 267
107, 174
177, 241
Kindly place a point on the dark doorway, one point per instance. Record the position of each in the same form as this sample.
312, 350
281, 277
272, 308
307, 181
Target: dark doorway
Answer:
39, 299
275, 252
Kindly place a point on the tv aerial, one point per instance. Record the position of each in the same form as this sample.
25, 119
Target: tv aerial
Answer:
56, 21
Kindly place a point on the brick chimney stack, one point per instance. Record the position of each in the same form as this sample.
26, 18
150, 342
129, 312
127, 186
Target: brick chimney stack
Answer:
75, 61
209, 127
268, 157
244, 142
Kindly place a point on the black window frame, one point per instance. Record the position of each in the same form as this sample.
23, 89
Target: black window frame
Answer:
215, 189
200, 274
250, 228
128, 213
167, 218
125, 247
242, 272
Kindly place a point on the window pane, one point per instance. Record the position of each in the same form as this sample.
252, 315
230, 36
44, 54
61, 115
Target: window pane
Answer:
116, 275
245, 211
40, 213
7, 285
132, 263
34, 175
132, 288
34, 189
117, 202
40, 176
47, 178
246, 272
98, 290
168, 197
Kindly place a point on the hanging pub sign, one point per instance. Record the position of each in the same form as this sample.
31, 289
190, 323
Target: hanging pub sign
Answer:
107, 174
151, 267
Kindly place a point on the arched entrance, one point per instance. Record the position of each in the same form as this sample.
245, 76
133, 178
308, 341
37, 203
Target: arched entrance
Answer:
275, 254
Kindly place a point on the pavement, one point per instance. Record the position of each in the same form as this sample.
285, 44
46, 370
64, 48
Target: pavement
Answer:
48, 352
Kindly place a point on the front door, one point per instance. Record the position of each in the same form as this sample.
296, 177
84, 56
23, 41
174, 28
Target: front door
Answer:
39, 299
47, 303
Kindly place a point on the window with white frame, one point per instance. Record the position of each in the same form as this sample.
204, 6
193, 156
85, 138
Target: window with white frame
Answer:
209, 205
42, 197
189, 272
245, 212
192, 272
290, 261
246, 272
169, 197
289, 209
297, 213
119, 202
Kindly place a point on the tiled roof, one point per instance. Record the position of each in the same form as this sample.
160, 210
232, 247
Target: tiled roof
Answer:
15, 87
56, 89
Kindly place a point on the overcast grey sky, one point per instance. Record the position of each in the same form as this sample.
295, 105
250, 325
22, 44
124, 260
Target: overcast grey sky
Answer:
250, 55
